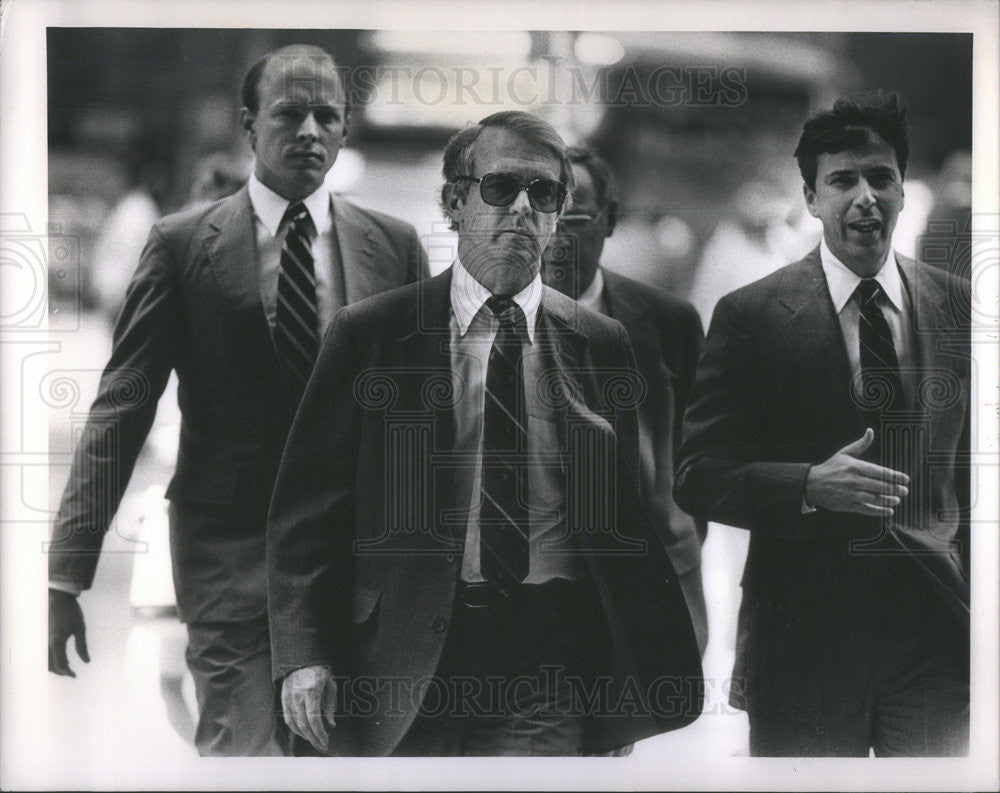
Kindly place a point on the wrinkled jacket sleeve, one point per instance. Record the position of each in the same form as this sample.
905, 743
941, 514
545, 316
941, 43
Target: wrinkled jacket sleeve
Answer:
722, 476
142, 357
310, 524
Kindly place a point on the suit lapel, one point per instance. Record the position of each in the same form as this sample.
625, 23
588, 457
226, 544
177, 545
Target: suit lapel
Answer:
566, 356
926, 299
813, 335
363, 276
427, 346
232, 249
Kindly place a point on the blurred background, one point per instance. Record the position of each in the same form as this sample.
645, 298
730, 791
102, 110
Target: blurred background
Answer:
699, 129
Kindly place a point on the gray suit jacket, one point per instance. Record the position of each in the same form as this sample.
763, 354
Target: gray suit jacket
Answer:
194, 306
666, 337
366, 531
772, 396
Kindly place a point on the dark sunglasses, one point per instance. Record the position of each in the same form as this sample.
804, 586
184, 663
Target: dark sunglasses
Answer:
500, 190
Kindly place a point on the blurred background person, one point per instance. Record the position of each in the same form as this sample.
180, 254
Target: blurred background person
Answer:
753, 241
666, 337
947, 240
123, 235
218, 175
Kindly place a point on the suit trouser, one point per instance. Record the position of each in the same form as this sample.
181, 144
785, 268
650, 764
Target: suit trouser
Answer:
231, 666
694, 597
889, 673
506, 680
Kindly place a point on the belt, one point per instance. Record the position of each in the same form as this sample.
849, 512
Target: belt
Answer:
484, 595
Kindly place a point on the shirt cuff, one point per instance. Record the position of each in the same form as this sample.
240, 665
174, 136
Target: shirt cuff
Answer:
66, 586
806, 506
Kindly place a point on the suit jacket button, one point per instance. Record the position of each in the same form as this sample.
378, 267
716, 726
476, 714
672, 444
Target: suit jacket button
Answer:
450, 558
439, 625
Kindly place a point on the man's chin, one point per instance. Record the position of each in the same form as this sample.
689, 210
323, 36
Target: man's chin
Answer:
864, 260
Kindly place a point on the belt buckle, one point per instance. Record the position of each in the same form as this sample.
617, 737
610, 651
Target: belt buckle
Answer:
479, 595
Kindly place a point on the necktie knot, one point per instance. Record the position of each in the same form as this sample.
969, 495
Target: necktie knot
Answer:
868, 290
508, 314
299, 219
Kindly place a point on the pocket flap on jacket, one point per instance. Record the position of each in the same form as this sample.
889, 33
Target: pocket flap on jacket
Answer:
363, 603
203, 485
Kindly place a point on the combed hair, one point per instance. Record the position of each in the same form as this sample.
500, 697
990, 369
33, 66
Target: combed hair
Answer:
458, 154
848, 125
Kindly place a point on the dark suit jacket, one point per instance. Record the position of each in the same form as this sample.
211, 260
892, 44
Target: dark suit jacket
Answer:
666, 337
194, 306
772, 396
366, 528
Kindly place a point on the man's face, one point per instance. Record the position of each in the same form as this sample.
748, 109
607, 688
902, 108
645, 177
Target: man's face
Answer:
501, 247
858, 196
571, 259
299, 126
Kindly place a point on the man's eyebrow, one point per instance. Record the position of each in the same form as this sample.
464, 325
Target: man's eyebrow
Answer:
841, 172
290, 102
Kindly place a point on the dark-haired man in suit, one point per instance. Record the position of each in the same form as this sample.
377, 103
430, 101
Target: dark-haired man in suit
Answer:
459, 562
830, 417
234, 297
666, 337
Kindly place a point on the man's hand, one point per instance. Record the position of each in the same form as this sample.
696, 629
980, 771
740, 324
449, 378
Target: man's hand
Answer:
845, 483
308, 703
65, 620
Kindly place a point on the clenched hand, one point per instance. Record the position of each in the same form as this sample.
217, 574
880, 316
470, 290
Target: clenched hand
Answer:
65, 620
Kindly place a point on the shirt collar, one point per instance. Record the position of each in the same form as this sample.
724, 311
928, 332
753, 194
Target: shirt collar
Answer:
591, 296
468, 297
269, 207
842, 281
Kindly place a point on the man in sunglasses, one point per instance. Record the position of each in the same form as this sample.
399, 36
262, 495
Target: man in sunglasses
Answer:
666, 337
459, 561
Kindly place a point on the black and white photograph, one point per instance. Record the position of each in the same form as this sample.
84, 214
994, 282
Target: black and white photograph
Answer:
387, 384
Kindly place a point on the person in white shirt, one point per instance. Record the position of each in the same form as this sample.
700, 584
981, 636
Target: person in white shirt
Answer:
234, 297
458, 559
830, 418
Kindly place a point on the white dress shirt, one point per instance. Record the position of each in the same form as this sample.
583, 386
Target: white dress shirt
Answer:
473, 329
268, 209
895, 305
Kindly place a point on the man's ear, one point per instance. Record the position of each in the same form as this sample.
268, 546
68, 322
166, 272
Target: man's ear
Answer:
248, 122
611, 218
810, 195
452, 200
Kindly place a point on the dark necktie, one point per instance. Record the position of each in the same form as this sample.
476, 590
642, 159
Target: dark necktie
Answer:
881, 384
296, 333
503, 520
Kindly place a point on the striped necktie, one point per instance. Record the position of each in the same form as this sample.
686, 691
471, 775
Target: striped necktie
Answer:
503, 519
880, 378
296, 333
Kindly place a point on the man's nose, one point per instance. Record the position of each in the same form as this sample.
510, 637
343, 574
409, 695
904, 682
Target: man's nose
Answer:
309, 128
865, 196
520, 204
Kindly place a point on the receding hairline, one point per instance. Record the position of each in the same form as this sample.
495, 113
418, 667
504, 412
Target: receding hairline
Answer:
498, 129
309, 52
